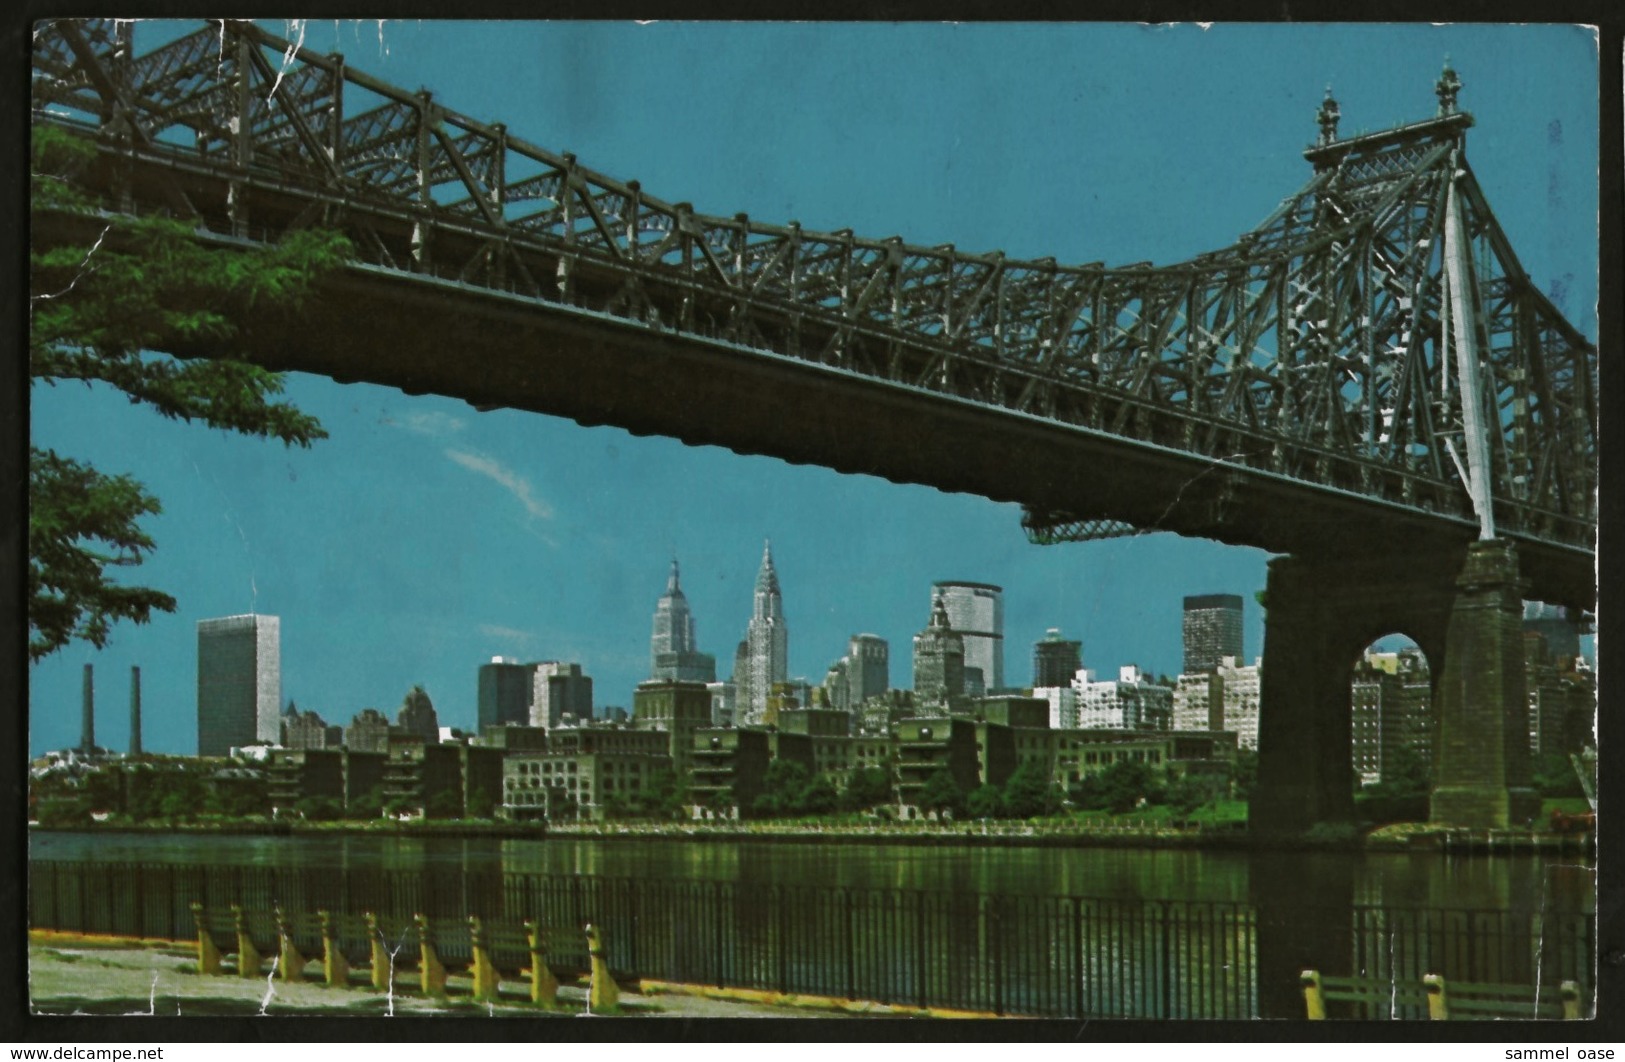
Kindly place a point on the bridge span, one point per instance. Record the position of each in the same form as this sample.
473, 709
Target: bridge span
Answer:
1367, 381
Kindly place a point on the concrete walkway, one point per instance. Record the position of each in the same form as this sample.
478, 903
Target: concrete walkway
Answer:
79, 975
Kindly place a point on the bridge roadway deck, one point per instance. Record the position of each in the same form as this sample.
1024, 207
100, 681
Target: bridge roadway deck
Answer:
496, 350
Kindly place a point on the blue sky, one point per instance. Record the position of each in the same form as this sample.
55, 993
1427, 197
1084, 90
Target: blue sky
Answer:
423, 538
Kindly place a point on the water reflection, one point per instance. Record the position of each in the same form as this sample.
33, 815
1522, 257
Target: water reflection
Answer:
1338, 879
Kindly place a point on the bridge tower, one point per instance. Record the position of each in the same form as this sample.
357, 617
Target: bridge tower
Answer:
1463, 607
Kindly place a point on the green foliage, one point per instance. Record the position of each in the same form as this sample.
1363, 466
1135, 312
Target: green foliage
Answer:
63, 811
109, 311
1188, 792
782, 789
368, 805
481, 804
819, 797
1029, 792
1553, 776
1332, 834
1405, 773
866, 787
319, 809
1119, 788
985, 802
1244, 773
942, 793
444, 804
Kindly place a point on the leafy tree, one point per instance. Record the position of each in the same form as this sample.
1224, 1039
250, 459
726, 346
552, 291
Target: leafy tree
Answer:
444, 804
1553, 775
783, 789
866, 787
1125, 784
1087, 793
819, 797
1244, 772
1405, 773
1188, 792
368, 805
1029, 792
942, 793
110, 312
319, 808
985, 802
667, 792
481, 804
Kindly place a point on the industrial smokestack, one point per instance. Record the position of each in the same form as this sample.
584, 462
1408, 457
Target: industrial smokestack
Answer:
135, 711
87, 719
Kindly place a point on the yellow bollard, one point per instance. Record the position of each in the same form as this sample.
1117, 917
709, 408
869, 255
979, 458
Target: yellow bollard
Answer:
383, 968
335, 967
544, 987
290, 963
484, 971
1314, 1003
604, 995
208, 953
431, 972
1438, 998
1570, 991
248, 956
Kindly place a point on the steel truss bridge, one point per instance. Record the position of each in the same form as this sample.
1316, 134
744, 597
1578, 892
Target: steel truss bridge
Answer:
1367, 369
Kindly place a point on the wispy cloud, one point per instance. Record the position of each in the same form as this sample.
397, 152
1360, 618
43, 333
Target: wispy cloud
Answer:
507, 634
434, 424
513, 482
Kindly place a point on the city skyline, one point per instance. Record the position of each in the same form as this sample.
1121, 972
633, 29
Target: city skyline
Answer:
424, 538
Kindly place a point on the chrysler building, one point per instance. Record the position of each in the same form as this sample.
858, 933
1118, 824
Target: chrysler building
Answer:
766, 649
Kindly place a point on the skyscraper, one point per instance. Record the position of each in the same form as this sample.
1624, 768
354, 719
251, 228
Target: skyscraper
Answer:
505, 693
939, 662
1055, 661
558, 690
674, 654
976, 612
135, 711
239, 682
864, 672
767, 645
87, 711
1212, 631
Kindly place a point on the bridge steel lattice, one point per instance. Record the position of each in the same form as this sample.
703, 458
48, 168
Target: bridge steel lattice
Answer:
1312, 352
1369, 373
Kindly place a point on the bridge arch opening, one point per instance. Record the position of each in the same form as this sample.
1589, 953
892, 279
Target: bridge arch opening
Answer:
1391, 719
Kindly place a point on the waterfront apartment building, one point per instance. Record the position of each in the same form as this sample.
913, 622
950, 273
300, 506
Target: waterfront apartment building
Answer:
1212, 631
1130, 702
584, 773
1224, 698
239, 683
1390, 698
976, 611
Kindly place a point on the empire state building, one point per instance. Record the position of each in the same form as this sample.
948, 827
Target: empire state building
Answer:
764, 659
674, 655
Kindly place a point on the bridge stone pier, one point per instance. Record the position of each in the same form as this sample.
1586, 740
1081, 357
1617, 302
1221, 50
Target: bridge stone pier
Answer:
1463, 608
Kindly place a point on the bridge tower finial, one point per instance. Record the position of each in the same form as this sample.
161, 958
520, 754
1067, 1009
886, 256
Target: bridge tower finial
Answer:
1327, 116
1447, 87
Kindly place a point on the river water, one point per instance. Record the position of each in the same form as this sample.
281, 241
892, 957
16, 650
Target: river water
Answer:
1110, 932
1383, 879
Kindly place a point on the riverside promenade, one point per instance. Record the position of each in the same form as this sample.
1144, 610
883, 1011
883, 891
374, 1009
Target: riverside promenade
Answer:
77, 974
